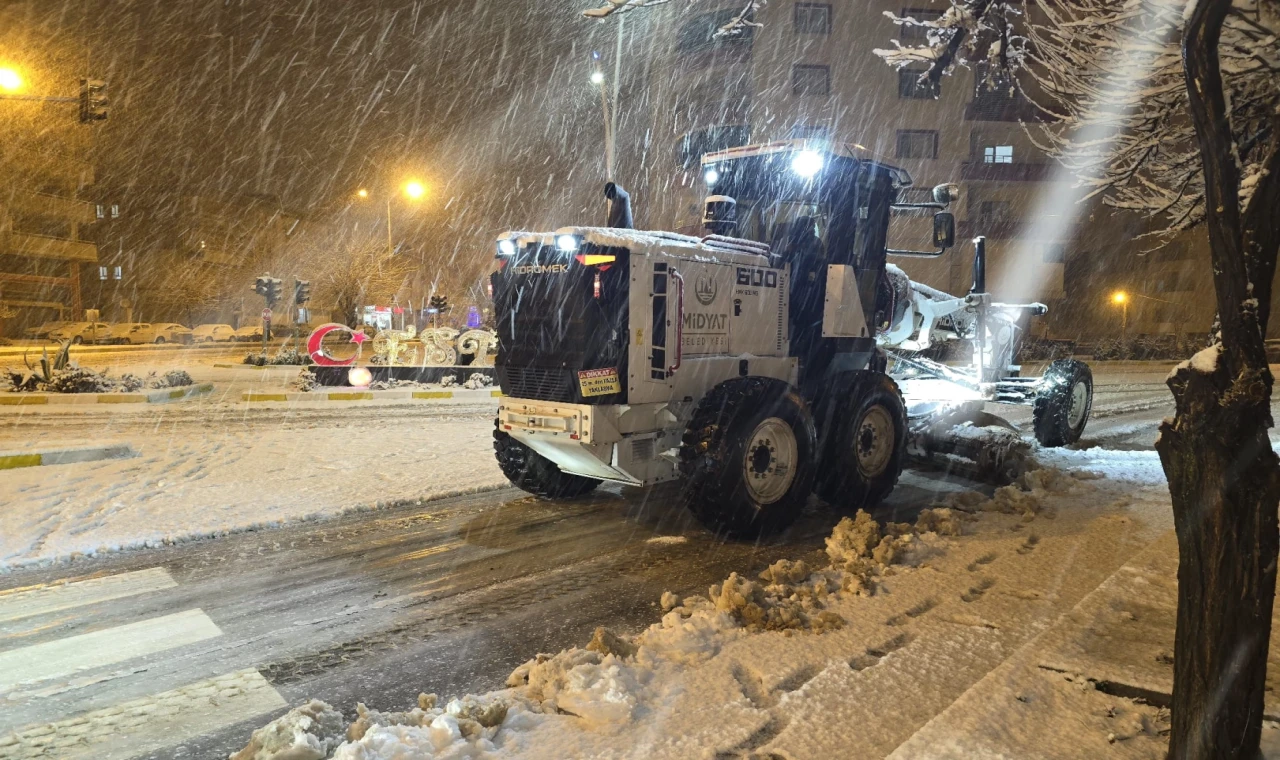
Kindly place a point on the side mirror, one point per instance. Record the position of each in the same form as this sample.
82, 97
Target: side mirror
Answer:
944, 230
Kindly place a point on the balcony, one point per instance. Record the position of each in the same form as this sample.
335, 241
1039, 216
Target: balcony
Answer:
30, 203
1015, 172
991, 108
43, 247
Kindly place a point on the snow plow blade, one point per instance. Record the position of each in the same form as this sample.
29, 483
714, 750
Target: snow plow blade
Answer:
979, 446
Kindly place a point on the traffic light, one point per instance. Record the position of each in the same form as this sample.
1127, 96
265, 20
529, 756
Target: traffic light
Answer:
260, 286
301, 291
93, 100
273, 291
439, 303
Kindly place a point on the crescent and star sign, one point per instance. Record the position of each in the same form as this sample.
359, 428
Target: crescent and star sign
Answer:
318, 354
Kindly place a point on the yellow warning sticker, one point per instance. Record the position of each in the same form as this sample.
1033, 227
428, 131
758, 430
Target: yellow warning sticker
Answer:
599, 382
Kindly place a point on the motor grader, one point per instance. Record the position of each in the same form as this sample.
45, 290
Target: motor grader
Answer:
763, 361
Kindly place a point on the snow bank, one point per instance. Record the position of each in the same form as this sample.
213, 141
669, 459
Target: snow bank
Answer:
615, 681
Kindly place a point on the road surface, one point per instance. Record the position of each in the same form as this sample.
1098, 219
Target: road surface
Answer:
373, 607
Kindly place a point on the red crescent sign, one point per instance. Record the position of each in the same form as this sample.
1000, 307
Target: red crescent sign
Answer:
318, 354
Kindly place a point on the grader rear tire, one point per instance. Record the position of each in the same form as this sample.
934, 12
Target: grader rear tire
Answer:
868, 445
748, 457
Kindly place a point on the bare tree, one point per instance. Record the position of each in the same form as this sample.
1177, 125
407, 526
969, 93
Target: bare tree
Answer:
1120, 78
359, 274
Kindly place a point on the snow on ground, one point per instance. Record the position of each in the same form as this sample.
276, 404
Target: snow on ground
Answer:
189, 483
848, 659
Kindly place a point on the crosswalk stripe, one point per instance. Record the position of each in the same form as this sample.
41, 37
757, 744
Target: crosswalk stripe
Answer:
16, 604
144, 725
108, 646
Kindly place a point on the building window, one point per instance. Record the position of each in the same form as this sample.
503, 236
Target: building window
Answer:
1055, 253
917, 143
813, 18
997, 154
989, 82
809, 132
994, 212
912, 32
811, 80
911, 86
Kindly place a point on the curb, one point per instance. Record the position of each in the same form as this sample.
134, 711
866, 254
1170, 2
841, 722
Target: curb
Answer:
262, 366
150, 397
65, 456
405, 395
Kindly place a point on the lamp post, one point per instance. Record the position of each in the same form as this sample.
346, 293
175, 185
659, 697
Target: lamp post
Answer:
413, 189
1121, 299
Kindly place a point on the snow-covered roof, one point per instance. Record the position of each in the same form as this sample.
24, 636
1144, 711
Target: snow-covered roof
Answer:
843, 150
629, 238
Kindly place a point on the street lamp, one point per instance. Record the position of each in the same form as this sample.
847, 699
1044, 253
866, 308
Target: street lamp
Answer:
10, 80
1121, 299
413, 189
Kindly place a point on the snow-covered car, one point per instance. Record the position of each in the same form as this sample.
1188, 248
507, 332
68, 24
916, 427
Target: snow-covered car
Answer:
43, 330
213, 333
138, 333
249, 332
171, 332
80, 332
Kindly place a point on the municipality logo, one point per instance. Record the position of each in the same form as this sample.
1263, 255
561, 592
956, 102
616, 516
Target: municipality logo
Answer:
704, 288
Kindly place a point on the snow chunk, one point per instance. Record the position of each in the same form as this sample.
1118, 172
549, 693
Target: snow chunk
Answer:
442, 739
308, 732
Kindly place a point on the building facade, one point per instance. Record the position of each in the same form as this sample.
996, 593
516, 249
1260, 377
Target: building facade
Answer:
808, 71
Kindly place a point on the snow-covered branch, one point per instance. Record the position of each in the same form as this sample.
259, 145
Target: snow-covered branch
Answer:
1109, 77
745, 19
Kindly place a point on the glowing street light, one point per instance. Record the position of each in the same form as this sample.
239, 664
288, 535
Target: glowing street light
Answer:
1121, 299
597, 77
10, 80
414, 189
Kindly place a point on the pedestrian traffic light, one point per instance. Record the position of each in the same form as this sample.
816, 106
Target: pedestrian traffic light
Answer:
301, 291
93, 100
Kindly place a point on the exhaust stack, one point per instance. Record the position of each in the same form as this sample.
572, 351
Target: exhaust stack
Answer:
619, 206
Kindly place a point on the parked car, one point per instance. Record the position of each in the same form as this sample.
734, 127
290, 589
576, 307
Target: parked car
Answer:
138, 333
171, 332
81, 332
43, 330
249, 332
117, 333
213, 333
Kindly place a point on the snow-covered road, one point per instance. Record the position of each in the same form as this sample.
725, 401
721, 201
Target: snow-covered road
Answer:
376, 606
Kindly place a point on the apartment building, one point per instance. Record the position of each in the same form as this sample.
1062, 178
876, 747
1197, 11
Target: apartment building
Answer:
43, 220
809, 71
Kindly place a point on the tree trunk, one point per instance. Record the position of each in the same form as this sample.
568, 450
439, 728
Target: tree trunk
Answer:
1224, 478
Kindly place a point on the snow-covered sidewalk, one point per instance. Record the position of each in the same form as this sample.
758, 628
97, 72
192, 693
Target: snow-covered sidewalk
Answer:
848, 660
191, 482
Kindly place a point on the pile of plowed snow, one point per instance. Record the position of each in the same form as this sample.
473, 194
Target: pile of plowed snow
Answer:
614, 677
